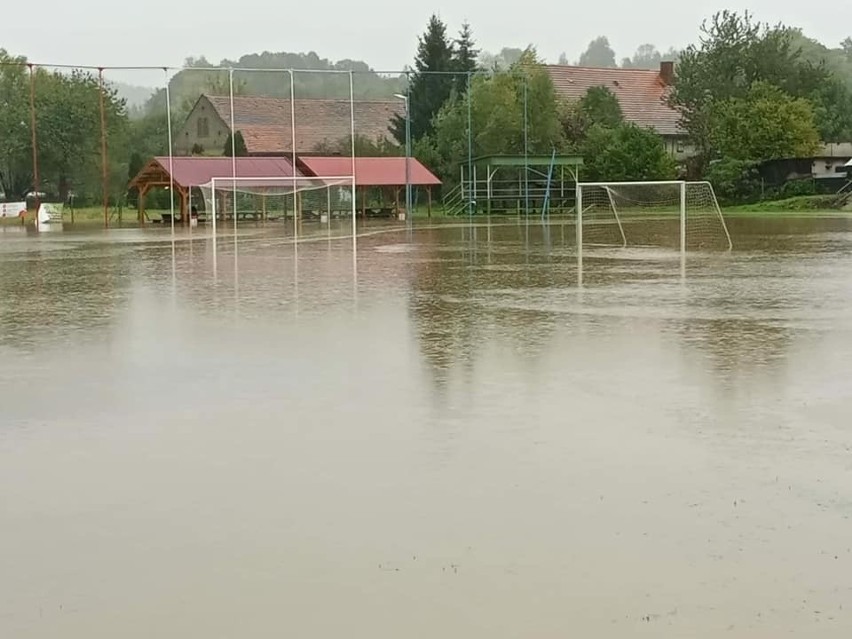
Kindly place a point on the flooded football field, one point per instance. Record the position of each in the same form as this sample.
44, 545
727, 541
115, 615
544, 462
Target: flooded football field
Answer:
444, 431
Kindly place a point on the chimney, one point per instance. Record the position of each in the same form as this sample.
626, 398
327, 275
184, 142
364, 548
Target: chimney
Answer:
667, 73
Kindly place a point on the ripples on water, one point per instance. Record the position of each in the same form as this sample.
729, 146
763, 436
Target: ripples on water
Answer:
443, 435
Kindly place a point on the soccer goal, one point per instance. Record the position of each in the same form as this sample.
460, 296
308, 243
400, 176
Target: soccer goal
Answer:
683, 215
278, 198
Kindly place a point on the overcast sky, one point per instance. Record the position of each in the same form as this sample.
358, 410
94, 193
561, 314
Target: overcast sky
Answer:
380, 32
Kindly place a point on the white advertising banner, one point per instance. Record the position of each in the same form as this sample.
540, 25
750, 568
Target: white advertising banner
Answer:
12, 209
49, 213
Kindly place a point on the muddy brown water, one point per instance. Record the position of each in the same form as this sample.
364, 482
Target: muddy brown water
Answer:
444, 435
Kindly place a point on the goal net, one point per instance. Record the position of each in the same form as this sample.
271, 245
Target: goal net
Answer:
683, 215
276, 198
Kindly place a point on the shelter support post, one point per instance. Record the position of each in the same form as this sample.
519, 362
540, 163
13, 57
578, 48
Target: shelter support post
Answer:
184, 213
143, 191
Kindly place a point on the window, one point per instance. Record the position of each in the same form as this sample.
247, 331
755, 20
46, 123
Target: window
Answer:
203, 128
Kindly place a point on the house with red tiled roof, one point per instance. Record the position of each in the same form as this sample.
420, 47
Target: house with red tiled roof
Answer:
266, 124
642, 94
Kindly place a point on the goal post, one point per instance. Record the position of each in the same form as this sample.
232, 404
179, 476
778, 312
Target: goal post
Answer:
677, 214
285, 197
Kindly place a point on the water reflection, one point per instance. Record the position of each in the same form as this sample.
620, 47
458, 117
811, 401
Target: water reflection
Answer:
441, 426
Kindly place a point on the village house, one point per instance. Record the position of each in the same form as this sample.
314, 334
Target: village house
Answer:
265, 124
642, 94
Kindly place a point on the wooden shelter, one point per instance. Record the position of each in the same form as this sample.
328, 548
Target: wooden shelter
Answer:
385, 177
186, 173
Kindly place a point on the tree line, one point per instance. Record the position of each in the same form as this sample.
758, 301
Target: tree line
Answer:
68, 131
459, 107
747, 92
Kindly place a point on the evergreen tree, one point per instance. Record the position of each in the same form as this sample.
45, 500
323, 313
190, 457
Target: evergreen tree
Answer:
429, 89
237, 144
465, 57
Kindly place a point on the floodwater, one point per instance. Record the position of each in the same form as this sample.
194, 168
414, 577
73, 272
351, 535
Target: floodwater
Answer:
445, 434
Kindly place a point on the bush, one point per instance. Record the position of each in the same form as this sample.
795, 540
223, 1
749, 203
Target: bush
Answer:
735, 181
796, 188
626, 153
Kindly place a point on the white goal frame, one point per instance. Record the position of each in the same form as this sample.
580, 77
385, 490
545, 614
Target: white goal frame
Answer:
682, 184
232, 184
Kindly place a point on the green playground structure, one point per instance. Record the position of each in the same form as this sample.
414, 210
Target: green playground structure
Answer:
516, 184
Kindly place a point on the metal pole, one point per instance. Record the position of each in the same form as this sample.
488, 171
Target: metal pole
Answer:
171, 157
104, 160
352, 137
293, 157
683, 219
233, 151
579, 231
526, 150
408, 212
213, 210
469, 142
36, 180
292, 133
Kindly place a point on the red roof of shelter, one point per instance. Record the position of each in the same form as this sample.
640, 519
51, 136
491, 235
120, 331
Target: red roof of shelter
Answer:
370, 171
196, 171
643, 95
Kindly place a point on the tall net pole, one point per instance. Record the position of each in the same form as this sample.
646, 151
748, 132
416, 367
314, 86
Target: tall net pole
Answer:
683, 217
36, 179
352, 138
471, 191
104, 159
293, 143
233, 148
526, 149
171, 154
409, 217
579, 219
683, 230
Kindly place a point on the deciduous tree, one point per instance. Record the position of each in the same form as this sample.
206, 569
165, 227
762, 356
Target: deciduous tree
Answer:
846, 46
765, 124
15, 146
497, 118
646, 57
626, 153
598, 54
601, 106
736, 52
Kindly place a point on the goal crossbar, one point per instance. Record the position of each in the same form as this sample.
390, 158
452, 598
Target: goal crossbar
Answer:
616, 184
